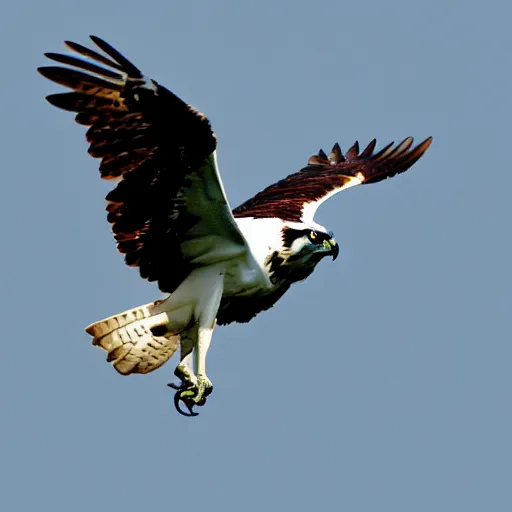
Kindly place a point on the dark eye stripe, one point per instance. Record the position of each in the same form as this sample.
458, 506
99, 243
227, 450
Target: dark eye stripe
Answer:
290, 235
318, 237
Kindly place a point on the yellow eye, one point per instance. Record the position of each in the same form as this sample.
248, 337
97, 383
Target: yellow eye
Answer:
312, 235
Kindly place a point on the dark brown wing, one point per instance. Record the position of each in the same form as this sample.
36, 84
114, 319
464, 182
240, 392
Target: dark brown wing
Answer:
297, 197
159, 147
243, 309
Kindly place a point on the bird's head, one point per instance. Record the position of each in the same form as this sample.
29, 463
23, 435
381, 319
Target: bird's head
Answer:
305, 244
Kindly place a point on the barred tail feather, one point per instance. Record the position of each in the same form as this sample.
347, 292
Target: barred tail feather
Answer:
136, 340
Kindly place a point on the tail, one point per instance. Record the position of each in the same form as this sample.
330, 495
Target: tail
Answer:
136, 341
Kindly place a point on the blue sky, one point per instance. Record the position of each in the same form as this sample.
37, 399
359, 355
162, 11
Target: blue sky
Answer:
381, 383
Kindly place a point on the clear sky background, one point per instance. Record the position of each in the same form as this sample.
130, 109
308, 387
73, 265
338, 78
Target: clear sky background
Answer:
383, 382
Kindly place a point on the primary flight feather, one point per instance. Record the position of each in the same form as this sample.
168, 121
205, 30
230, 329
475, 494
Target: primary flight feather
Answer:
171, 218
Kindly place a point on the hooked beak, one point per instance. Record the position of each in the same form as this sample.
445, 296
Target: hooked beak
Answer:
332, 247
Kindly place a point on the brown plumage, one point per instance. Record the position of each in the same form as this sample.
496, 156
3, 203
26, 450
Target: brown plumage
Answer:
153, 142
325, 175
147, 137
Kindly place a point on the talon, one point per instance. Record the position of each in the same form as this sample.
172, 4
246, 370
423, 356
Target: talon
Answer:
181, 390
191, 394
188, 403
183, 386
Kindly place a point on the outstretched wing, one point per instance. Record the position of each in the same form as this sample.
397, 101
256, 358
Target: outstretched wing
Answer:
169, 211
297, 197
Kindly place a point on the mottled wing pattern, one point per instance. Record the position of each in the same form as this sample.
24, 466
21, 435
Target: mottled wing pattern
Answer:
296, 197
157, 146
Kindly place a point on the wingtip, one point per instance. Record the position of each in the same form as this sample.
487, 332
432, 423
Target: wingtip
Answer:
353, 152
95, 39
368, 150
99, 42
121, 60
422, 147
73, 46
336, 155
45, 71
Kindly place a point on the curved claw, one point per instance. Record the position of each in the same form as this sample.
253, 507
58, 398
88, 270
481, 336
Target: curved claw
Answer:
187, 401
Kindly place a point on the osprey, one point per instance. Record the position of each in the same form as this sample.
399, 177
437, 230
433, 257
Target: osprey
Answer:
171, 218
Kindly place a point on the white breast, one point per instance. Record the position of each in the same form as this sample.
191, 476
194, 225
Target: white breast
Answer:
263, 237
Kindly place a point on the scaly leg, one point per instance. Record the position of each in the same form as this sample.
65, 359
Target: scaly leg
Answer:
203, 385
185, 371
205, 313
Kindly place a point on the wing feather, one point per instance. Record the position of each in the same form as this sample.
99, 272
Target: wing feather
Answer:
297, 197
83, 64
87, 52
161, 151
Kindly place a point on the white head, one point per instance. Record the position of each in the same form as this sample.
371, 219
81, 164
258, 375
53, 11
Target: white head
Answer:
307, 243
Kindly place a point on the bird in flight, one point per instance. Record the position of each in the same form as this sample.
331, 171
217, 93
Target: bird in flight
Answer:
171, 218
